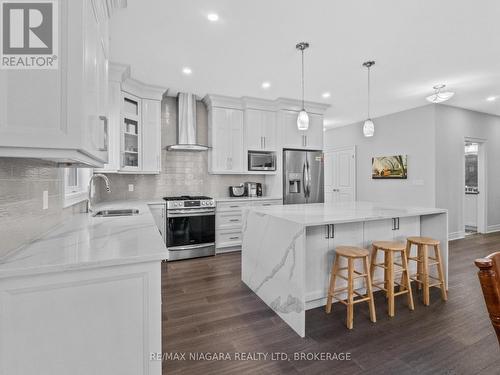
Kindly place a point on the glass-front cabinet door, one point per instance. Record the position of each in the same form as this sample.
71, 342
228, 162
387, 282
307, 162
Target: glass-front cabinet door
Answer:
131, 132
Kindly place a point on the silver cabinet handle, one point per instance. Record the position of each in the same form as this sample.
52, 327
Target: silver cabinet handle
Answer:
106, 133
332, 231
233, 220
264, 142
305, 140
233, 238
327, 234
233, 206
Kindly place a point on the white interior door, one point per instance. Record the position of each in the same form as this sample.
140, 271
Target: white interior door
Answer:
340, 175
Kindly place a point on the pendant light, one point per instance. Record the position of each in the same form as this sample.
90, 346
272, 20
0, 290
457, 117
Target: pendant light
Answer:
368, 126
439, 95
303, 117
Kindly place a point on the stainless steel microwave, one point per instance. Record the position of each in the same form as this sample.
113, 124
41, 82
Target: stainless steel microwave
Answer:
261, 161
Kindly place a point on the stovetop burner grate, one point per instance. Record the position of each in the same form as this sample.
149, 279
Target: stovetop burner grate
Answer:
186, 198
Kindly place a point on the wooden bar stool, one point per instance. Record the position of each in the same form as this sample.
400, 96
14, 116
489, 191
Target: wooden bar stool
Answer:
422, 276
351, 253
390, 248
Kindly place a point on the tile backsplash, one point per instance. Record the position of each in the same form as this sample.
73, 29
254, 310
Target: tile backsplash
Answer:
183, 172
22, 217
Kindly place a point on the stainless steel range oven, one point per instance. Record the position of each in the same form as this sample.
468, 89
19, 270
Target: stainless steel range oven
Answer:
190, 227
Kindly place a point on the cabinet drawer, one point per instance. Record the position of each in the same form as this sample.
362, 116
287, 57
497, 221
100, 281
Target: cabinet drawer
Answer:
231, 206
229, 219
226, 238
270, 202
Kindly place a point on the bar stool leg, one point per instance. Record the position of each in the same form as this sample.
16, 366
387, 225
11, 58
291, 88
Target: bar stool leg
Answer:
369, 290
373, 261
350, 293
419, 266
437, 255
331, 290
425, 273
390, 281
407, 281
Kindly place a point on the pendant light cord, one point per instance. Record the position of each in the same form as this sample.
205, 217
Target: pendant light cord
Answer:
368, 108
303, 106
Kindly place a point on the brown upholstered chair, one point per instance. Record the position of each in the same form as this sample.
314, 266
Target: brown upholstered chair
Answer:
489, 276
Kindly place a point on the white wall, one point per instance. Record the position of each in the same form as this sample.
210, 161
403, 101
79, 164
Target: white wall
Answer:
409, 132
453, 125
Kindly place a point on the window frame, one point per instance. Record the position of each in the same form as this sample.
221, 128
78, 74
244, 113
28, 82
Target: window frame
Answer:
74, 194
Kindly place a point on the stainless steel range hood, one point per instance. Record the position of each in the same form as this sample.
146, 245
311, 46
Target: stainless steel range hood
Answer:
186, 125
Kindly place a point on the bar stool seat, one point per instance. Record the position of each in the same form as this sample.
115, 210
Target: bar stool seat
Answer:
423, 277
390, 249
351, 253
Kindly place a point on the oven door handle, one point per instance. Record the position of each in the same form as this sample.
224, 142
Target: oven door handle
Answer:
190, 247
187, 213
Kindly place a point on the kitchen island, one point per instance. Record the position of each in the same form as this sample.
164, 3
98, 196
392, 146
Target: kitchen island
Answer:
287, 251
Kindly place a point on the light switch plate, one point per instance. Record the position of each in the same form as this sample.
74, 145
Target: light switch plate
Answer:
130, 187
45, 200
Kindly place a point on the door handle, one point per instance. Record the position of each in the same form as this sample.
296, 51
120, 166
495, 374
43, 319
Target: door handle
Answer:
327, 228
105, 147
332, 230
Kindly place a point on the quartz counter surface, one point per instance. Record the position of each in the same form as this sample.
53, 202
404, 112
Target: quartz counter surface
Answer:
84, 241
342, 212
244, 199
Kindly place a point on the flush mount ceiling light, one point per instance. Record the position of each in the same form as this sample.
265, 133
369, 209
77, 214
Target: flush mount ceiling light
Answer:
187, 71
303, 117
326, 95
266, 85
491, 98
213, 17
439, 95
368, 126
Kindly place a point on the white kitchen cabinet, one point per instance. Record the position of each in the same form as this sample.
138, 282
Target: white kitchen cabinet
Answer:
321, 243
311, 139
67, 118
260, 130
159, 212
226, 141
228, 221
134, 125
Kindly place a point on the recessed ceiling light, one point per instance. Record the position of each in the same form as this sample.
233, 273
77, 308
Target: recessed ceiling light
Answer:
213, 17
326, 95
266, 85
187, 71
491, 98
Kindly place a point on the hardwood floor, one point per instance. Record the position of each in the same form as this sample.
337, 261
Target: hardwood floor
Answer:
207, 309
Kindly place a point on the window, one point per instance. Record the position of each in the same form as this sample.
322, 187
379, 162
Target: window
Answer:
75, 185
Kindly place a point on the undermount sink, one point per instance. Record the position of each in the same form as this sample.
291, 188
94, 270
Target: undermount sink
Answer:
122, 212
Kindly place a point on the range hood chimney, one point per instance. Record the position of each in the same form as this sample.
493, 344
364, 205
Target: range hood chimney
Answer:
186, 125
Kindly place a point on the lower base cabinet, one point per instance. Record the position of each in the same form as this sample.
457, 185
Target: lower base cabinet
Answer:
228, 222
94, 321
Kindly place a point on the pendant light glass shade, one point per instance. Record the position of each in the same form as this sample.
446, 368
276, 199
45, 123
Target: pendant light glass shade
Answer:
368, 128
303, 117
303, 120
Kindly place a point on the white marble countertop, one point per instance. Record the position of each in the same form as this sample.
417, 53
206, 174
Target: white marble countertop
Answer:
84, 241
342, 212
234, 199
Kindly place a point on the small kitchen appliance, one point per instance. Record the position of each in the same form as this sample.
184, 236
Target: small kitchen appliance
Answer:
251, 189
237, 191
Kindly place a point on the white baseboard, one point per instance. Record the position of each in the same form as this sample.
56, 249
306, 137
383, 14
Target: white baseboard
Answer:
493, 228
456, 235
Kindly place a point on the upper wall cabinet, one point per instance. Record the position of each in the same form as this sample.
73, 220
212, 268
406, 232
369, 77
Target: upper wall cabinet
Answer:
311, 138
267, 126
134, 124
226, 141
62, 114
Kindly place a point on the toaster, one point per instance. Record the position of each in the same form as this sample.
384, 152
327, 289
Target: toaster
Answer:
237, 191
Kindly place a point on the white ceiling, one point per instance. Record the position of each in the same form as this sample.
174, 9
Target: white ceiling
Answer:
416, 44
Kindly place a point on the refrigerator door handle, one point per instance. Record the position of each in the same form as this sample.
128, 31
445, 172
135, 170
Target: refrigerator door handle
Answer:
309, 178
304, 184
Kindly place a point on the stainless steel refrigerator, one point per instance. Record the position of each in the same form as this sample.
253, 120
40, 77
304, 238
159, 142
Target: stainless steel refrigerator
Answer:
303, 177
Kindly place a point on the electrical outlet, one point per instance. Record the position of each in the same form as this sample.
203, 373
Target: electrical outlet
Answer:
130, 187
45, 200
